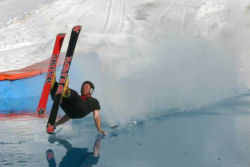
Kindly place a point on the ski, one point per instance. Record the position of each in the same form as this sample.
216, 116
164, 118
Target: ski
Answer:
64, 75
41, 108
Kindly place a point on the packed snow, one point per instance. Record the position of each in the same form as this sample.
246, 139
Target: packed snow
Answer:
172, 53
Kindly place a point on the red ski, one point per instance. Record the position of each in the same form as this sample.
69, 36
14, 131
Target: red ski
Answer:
41, 108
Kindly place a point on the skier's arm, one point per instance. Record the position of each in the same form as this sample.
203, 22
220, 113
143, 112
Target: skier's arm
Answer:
98, 122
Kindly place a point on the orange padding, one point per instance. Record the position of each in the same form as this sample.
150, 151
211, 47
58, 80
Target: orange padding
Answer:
28, 72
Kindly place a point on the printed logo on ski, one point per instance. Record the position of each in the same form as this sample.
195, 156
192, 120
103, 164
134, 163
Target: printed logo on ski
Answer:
64, 75
52, 67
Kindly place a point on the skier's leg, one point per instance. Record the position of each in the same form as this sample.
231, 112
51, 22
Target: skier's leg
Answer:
66, 90
53, 90
64, 119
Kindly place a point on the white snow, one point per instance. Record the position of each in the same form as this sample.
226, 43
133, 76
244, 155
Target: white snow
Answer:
159, 54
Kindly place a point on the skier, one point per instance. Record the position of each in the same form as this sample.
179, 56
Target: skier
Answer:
76, 106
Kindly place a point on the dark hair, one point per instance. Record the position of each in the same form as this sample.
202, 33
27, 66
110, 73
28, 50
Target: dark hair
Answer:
91, 86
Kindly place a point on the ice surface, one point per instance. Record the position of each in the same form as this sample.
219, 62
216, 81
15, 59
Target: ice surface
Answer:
214, 136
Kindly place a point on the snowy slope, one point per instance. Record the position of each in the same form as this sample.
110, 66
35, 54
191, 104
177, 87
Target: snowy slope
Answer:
151, 54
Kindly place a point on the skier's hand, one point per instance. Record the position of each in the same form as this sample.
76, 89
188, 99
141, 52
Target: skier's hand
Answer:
103, 132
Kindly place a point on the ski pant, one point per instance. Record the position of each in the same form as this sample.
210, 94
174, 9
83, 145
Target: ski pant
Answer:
73, 106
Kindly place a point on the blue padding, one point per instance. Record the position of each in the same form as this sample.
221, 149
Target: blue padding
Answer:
23, 94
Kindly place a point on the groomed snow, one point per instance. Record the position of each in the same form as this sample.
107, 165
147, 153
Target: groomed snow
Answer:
170, 53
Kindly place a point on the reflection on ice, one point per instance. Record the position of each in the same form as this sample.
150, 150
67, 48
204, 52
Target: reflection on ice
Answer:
74, 156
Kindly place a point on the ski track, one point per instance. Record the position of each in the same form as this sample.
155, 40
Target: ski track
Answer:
108, 16
122, 20
165, 12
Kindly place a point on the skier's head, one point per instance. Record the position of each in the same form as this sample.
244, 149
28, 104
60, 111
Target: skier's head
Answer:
87, 88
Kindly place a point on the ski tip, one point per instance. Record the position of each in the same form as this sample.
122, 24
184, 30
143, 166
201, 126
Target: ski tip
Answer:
77, 28
61, 34
50, 129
